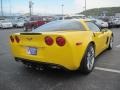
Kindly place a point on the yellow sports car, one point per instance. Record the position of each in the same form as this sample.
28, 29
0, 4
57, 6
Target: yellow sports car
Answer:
70, 44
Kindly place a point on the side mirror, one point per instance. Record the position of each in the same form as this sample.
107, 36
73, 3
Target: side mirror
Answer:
102, 25
103, 30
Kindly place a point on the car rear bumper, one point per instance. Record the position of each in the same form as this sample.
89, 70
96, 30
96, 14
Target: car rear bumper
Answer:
51, 65
68, 63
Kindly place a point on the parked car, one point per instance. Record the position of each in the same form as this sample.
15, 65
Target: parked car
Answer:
111, 24
13, 22
5, 24
34, 22
78, 16
62, 18
116, 22
69, 44
66, 17
100, 23
19, 23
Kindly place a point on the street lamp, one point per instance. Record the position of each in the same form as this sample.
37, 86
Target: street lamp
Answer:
62, 11
85, 7
10, 6
30, 7
1, 8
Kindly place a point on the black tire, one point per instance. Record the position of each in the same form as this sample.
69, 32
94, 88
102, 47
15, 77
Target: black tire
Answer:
110, 43
85, 64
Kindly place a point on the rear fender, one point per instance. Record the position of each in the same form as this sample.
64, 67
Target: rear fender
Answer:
78, 51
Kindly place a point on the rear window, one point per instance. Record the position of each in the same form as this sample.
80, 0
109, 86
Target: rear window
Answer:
60, 25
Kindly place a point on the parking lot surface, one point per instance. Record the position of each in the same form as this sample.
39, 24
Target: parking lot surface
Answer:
14, 76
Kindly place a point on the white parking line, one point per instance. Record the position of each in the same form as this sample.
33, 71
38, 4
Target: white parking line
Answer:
118, 46
108, 70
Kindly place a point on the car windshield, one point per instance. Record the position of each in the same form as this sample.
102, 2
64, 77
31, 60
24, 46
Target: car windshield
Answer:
60, 25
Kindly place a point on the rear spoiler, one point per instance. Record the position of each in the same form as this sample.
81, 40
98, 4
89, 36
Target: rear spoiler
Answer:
30, 33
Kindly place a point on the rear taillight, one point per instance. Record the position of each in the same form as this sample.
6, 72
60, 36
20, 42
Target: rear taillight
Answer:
12, 39
17, 39
60, 41
48, 40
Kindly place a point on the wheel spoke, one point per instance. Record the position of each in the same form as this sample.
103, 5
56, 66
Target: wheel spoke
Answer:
90, 58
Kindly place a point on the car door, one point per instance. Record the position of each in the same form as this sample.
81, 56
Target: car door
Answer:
106, 37
99, 37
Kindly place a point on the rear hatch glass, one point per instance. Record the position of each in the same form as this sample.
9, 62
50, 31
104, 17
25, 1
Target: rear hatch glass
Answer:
60, 25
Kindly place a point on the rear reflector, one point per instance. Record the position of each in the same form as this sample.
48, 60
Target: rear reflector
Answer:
12, 39
17, 39
48, 40
60, 41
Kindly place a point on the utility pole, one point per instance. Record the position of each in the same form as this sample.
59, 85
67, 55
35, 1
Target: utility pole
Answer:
30, 7
62, 11
1, 8
10, 7
85, 7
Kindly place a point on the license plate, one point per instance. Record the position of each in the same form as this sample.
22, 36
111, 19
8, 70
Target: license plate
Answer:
32, 51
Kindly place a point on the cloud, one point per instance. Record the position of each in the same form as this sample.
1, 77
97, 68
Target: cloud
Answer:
96, 3
79, 5
75, 7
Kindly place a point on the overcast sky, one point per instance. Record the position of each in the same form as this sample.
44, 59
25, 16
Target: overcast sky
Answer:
54, 6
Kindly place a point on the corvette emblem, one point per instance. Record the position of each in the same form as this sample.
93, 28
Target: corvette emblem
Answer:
29, 39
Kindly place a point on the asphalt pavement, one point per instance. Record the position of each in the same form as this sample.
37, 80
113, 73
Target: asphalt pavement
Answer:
14, 76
